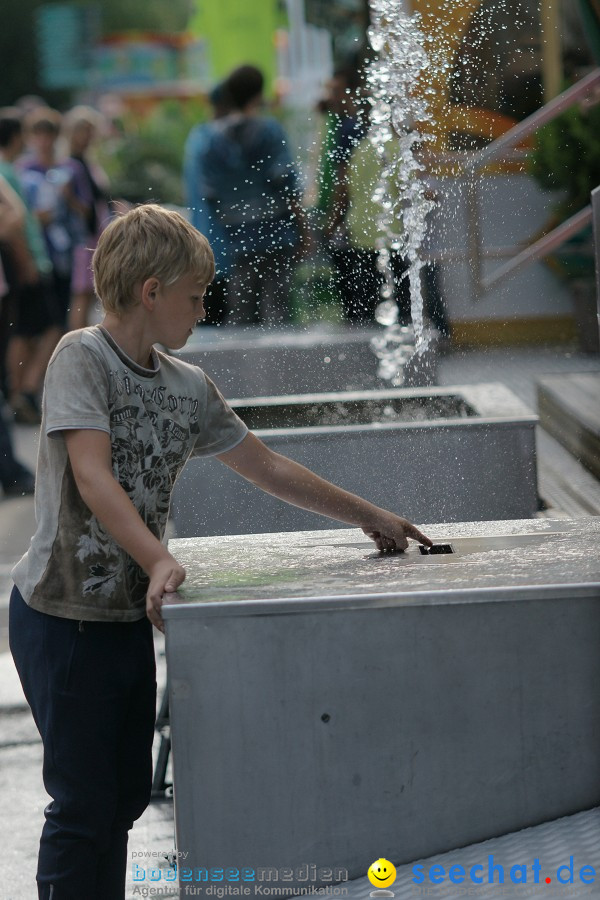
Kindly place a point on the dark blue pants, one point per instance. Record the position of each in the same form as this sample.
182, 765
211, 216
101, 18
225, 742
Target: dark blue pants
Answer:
92, 692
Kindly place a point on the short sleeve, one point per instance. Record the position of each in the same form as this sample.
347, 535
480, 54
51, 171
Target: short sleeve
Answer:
221, 429
76, 391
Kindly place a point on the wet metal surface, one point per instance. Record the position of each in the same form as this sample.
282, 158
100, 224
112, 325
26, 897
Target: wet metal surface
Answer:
489, 401
359, 412
510, 554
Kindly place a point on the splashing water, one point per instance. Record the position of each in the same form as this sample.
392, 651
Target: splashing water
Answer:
396, 105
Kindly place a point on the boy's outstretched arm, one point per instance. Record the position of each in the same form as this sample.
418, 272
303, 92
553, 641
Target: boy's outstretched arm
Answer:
90, 456
288, 480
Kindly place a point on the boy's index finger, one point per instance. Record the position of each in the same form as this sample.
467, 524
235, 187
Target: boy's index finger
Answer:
417, 535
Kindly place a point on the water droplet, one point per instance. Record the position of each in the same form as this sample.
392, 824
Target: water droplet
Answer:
387, 313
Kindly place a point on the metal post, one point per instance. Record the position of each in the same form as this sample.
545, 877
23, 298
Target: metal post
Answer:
596, 226
474, 236
551, 49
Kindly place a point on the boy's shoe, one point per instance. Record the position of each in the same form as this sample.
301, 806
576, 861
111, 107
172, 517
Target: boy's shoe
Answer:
25, 409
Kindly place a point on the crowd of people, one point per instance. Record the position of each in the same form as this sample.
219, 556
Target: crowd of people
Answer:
243, 191
53, 205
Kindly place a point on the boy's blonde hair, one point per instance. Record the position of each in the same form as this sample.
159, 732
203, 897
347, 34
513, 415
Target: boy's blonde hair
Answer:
147, 242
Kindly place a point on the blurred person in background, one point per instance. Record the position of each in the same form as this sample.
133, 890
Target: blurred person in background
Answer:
86, 194
350, 170
251, 188
12, 224
35, 323
361, 280
44, 179
345, 125
16, 479
202, 213
28, 103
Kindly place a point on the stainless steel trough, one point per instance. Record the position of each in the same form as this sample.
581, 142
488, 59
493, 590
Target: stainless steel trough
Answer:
475, 461
258, 362
331, 706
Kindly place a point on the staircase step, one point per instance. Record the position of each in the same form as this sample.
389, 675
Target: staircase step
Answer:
569, 409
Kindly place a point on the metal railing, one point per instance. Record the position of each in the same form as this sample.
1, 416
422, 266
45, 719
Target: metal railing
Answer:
586, 91
596, 221
541, 247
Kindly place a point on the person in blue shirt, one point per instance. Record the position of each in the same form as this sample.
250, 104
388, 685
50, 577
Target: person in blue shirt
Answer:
246, 193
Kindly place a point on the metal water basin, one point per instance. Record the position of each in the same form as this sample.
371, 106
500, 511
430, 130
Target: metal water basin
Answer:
460, 453
331, 705
260, 362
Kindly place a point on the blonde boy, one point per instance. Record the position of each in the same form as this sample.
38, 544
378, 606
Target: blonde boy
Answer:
120, 419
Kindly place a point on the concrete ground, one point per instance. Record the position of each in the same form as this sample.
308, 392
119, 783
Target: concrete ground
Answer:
567, 488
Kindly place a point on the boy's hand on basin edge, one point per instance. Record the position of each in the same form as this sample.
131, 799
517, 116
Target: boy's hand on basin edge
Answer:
165, 577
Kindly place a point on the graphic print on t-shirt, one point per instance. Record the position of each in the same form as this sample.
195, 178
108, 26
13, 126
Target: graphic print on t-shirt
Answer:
152, 432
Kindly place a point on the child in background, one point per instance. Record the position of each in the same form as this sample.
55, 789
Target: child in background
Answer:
44, 177
15, 479
87, 197
35, 326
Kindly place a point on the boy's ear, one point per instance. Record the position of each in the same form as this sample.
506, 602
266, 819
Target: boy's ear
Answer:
148, 293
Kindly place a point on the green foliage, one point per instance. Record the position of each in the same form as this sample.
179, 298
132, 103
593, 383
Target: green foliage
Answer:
566, 157
314, 296
146, 161
144, 15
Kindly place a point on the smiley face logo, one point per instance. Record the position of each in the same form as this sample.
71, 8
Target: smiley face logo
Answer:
381, 873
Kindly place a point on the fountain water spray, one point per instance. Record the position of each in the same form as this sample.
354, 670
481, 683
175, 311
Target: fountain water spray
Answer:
397, 104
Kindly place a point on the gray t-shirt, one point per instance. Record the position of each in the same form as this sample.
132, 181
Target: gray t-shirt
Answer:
157, 418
